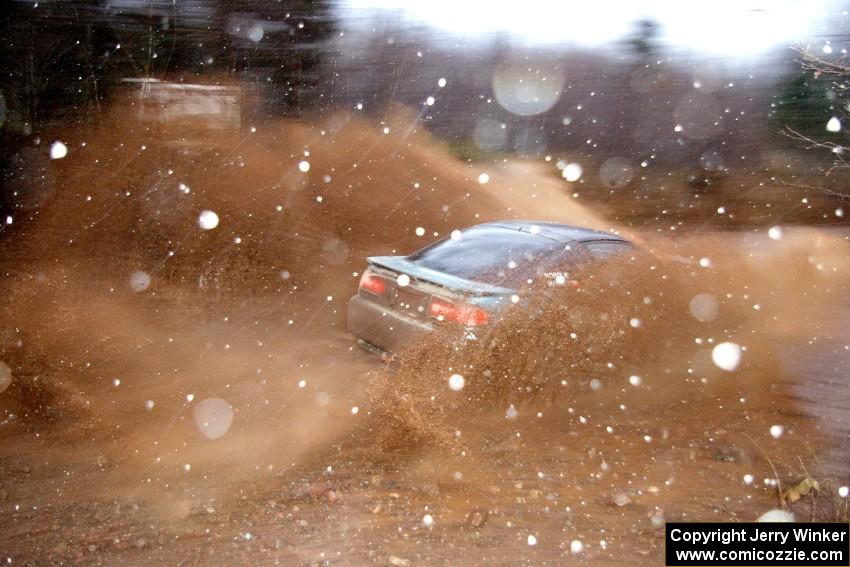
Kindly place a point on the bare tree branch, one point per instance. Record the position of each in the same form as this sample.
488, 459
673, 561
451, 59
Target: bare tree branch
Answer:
822, 190
811, 144
820, 66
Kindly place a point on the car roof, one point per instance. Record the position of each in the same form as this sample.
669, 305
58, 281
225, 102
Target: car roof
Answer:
554, 231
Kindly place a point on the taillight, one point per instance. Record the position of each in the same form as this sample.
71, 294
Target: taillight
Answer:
372, 283
465, 314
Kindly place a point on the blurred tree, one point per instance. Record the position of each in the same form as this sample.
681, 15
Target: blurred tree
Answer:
60, 59
644, 39
48, 61
806, 104
813, 108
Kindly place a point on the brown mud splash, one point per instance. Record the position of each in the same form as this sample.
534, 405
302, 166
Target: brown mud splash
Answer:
581, 459
628, 335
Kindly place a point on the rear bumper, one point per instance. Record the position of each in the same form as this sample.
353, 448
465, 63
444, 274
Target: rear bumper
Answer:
382, 327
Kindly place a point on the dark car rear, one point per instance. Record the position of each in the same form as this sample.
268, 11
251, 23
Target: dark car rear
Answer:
466, 278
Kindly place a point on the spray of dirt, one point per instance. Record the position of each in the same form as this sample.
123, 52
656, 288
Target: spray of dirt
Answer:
638, 331
122, 314
251, 311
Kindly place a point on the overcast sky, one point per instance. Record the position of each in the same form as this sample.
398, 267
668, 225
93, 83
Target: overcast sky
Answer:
741, 28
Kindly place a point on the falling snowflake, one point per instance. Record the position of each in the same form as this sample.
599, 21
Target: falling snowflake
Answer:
255, 33
775, 233
776, 516
834, 125
58, 150
704, 307
456, 382
726, 356
572, 172
576, 547
213, 417
139, 281
208, 220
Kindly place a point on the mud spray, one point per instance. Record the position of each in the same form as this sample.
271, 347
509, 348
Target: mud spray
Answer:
122, 316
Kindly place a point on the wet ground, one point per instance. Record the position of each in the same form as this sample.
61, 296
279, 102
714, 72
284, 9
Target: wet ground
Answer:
269, 492
122, 491
821, 389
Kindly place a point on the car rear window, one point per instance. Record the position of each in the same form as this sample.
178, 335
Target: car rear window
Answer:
493, 255
605, 250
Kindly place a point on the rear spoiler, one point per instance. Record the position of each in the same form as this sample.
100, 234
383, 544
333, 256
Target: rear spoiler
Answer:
403, 265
